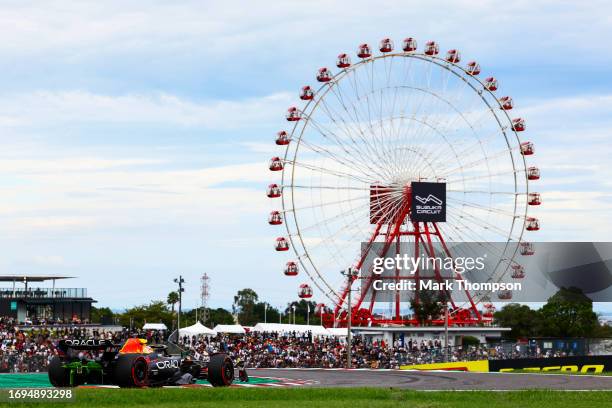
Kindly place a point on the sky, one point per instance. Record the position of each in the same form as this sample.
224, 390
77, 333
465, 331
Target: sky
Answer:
135, 135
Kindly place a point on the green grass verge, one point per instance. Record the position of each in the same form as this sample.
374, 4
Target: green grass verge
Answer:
330, 397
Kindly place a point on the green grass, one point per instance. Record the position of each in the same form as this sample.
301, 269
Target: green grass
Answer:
331, 397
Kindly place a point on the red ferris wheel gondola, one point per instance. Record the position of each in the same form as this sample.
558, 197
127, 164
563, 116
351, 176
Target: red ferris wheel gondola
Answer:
386, 45
489, 309
273, 191
324, 75
532, 224
506, 103
276, 164
473, 68
281, 244
527, 148
320, 308
534, 199
364, 51
505, 295
306, 93
282, 138
533, 173
453, 56
527, 248
491, 84
275, 218
518, 272
293, 114
432, 48
291, 269
409, 45
344, 61
518, 124
305, 291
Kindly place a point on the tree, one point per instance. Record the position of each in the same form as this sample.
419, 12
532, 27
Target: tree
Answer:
173, 298
219, 316
301, 310
430, 305
523, 321
270, 314
155, 312
101, 315
244, 306
568, 313
215, 317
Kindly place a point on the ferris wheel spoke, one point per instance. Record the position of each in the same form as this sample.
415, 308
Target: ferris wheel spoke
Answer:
339, 216
467, 235
477, 162
340, 231
328, 171
426, 161
472, 127
368, 95
484, 224
483, 207
479, 241
323, 204
484, 192
480, 143
327, 187
442, 130
481, 176
326, 133
371, 149
363, 156
361, 167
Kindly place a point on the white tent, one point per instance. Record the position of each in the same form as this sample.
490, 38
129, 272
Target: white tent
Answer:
290, 328
229, 328
196, 330
154, 326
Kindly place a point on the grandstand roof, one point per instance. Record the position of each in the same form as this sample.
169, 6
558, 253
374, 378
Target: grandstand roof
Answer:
31, 278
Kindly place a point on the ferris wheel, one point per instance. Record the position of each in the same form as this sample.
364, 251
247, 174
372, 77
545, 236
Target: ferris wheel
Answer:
356, 143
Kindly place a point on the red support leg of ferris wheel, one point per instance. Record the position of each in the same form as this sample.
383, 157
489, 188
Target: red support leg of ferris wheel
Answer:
423, 234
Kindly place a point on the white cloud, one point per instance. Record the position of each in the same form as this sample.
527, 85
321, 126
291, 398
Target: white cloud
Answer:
62, 195
89, 29
46, 108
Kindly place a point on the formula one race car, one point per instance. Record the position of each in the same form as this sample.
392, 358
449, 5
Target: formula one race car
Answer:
135, 364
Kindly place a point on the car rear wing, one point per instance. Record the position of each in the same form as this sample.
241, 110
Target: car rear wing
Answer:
85, 344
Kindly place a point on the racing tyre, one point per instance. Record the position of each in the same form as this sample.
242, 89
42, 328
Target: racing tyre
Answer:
58, 375
131, 370
220, 370
243, 376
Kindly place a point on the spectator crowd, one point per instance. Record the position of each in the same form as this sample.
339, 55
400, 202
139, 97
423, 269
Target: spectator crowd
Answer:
274, 350
31, 349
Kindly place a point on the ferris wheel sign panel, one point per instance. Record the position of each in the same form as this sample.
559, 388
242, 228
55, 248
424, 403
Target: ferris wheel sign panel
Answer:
429, 202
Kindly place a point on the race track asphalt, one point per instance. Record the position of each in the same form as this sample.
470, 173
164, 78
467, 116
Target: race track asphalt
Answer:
435, 380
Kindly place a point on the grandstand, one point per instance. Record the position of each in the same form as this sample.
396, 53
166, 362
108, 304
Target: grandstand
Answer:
27, 302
